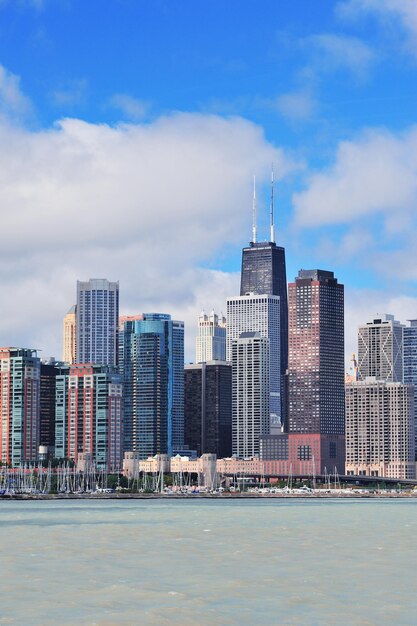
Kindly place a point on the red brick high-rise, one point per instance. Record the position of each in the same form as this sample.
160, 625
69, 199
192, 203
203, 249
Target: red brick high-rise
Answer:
316, 415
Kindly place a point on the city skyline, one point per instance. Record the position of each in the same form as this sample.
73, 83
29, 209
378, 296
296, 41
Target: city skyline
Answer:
110, 157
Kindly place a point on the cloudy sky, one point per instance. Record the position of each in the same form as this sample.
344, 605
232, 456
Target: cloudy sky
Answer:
130, 132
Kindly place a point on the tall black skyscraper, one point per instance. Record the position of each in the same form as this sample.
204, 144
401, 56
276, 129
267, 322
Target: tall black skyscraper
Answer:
264, 272
208, 408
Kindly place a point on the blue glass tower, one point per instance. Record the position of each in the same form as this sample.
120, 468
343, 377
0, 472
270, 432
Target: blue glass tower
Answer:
154, 385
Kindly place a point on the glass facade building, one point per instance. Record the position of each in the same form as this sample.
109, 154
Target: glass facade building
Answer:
380, 349
154, 385
20, 370
208, 408
264, 272
88, 414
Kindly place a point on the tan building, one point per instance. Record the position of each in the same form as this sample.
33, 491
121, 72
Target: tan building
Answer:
379, 429
69, 335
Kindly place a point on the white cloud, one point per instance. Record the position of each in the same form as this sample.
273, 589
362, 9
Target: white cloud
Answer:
390, 13
332, 52
296, 105
13, 102
73, 93
132, 108
362, 304
376, 173
150, 205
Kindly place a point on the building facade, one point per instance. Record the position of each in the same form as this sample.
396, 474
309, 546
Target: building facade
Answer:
211, 338
264, 272
154, 385
48, 374
410, 365
69, 333
19, 400
316, 369
380, 429
260, 313
88, 415
97, 319
250, 393
208, 408
380, 349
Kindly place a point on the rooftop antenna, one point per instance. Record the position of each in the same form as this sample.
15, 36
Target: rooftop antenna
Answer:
254, 211
272, 237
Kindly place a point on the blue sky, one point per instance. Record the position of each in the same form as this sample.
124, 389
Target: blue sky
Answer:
130, 131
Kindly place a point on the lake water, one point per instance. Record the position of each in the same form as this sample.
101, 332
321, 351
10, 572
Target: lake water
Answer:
204, 562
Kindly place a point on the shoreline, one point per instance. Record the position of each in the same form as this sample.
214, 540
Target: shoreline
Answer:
207, 496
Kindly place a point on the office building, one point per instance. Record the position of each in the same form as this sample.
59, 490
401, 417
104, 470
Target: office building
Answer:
259, 313
48, 373
380, 349
211, 338
264, 272
410, 364
208, 408
154, 385
19, 401
88, 415
121, 340
250, 393
97, 319
316, 369
380, 429
69, 336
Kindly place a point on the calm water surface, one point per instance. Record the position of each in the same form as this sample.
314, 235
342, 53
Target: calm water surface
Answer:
208, 562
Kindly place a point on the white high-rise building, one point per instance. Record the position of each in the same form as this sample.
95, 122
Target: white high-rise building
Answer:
250, 393
380, 349
259, 313
97, 319
211, 338
379, 429
410, 364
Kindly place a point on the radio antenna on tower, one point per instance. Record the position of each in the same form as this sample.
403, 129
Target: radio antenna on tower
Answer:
272, 239
254, 211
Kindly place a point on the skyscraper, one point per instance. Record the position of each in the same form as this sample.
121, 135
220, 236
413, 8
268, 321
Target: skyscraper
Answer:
154, 385
121, 341
69, 336
211, 338
264, 272
316, 367
380, 429
410, 364
380, 349
97, 318
250, 393
48, 374
88, 414
260, 313
208, 408
19, 401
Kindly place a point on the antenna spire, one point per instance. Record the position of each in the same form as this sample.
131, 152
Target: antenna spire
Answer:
272, 237
254, 211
